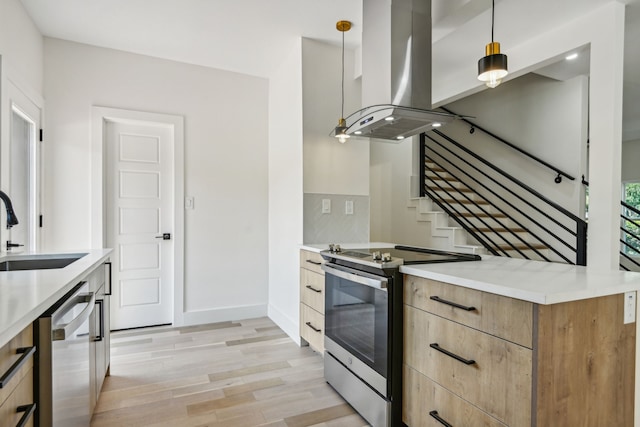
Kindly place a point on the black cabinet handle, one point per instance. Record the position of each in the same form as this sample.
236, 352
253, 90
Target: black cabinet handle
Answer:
108, 264
100, 304
313, 327
314, 262
452, 304
435, 346
28, 412
314, 289
435, 415
26, 352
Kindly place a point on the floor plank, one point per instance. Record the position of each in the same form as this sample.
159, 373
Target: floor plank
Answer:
242, 374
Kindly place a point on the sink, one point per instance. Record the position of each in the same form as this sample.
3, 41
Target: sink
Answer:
38, 262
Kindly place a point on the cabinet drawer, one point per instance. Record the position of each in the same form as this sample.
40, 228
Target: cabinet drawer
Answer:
504, 317
9, 356
312, 327
22, 397
489, 372
311, 261
421, 396
312, 290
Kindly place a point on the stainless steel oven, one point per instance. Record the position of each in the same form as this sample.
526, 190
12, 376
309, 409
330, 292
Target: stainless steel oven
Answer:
363, 326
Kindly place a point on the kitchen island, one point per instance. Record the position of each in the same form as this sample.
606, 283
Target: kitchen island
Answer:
510, 342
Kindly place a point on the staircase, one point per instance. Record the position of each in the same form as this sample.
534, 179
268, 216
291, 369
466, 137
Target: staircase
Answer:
507, 238
474, 206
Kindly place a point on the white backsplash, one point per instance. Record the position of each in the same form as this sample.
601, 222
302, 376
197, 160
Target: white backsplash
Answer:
336, 226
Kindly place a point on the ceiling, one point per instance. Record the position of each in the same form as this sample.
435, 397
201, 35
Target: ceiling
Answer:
252, 36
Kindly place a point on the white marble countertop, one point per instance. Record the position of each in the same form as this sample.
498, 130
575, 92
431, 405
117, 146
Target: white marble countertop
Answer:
535, 281
325, 246
25, 295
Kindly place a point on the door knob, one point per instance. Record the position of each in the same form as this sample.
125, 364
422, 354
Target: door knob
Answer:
165, 236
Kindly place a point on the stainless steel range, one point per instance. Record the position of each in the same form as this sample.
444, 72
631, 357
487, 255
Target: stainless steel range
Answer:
363, 325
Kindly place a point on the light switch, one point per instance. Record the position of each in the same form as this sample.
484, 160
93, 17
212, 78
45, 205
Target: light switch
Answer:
188, 202
348, 207
326, 206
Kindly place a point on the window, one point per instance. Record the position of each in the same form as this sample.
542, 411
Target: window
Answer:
631, 219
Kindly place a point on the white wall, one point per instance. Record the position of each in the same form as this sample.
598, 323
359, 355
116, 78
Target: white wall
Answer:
226, 127
546, 118
333, 171
392, 170
21, 47
285, 191
331, 167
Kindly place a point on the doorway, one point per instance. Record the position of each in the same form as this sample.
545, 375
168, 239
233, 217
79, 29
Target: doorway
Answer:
142, 216
24, 170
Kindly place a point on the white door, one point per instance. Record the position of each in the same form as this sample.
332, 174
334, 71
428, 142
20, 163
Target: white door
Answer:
24, 188
139, 222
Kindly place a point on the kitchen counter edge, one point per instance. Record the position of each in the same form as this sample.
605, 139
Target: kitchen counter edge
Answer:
41, 289
534, 281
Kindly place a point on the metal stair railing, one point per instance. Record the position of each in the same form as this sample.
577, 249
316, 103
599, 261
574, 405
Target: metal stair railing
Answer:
629, 238
520, 210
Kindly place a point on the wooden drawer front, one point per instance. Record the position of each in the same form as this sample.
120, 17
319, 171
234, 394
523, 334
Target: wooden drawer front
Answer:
9, 356
503, 317
421, 396
22, 396
311, 261
499, 379
312, 327
312, 290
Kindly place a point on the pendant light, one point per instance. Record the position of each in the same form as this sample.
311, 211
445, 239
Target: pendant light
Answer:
341, 130
492, 68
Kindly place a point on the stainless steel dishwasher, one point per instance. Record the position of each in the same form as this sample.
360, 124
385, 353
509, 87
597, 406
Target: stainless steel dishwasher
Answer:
63, 384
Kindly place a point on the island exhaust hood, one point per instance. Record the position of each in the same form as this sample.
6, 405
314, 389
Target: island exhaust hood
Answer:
396, 72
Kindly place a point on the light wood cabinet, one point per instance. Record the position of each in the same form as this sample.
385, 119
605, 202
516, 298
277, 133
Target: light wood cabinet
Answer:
16, 380
480, 359
312, 300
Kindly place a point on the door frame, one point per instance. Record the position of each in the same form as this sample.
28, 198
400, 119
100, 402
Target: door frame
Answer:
11, 82
99, 117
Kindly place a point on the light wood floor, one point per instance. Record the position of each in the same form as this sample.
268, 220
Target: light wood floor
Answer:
246, 373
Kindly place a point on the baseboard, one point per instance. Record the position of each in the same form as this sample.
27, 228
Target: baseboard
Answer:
288, 325
224, 314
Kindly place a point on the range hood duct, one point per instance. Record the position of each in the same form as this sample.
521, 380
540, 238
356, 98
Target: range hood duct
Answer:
396, 72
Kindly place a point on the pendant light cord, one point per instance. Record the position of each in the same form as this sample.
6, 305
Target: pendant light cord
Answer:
493, 11
342, 107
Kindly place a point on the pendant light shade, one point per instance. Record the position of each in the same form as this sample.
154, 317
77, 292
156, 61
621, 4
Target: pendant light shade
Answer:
340, 131
492, 67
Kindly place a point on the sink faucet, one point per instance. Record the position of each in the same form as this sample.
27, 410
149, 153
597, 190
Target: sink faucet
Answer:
11, 216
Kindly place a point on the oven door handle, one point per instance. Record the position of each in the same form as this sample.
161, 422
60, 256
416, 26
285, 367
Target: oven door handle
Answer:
378, 283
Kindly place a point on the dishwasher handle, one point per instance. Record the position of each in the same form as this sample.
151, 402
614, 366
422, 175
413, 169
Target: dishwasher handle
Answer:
66, 330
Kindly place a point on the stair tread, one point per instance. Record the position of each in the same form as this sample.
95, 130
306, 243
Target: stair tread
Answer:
482, 215
467, 202
442, 178
522, 246
500, 230
463, 189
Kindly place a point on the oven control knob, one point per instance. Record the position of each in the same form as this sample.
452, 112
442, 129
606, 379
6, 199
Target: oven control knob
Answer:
337, 248
386, 257
377, 256
332, 247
